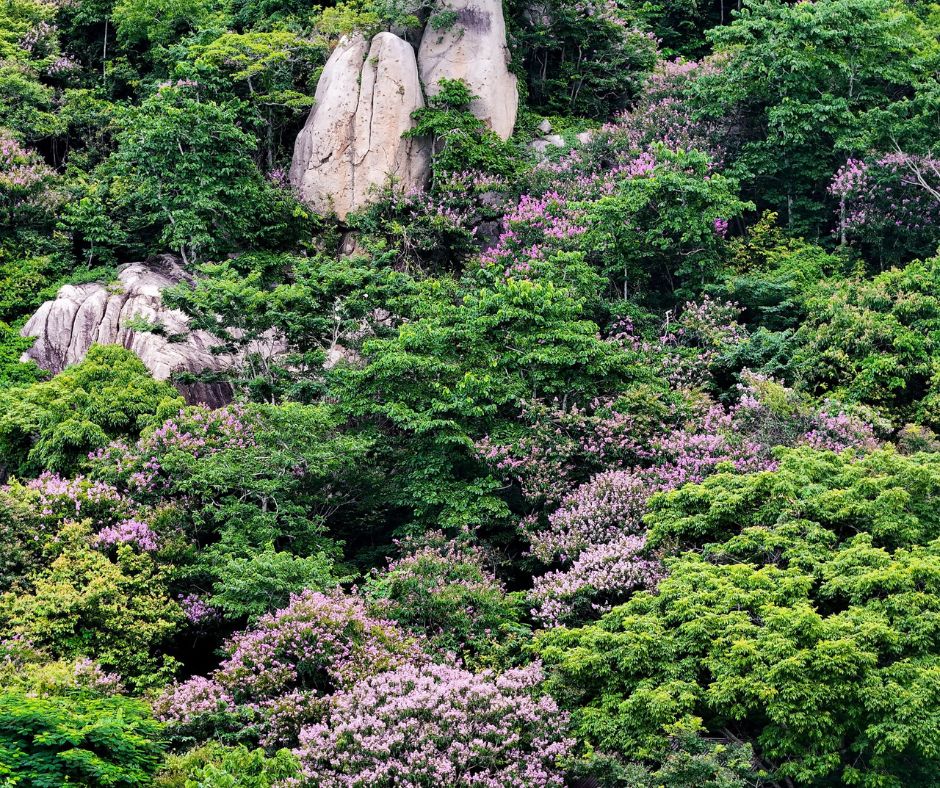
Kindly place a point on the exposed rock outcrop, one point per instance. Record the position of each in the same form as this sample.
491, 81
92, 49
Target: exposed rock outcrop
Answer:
474, 49
352, 139
82, 315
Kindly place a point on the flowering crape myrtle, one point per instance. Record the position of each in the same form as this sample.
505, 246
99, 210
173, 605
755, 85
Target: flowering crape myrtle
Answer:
438, 725
279, 674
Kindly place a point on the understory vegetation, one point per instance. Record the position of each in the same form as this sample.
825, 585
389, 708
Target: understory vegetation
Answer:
640, 487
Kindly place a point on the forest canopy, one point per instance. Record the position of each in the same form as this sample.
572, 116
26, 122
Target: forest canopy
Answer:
599, 450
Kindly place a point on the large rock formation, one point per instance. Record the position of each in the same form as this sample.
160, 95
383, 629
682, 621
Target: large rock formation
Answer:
83, 315
474, 49
352, 139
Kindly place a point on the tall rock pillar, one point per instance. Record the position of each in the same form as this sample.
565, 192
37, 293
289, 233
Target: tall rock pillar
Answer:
474, 49
352, 139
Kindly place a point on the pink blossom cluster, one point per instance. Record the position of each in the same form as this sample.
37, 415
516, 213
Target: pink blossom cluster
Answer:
16, 652
610, 505
39, 39
195, 432
279, 177
25, 181
558, 443
180, 83
553, 216
686, 349
197, 610
63, 64
440, 725
91, 675
632, 146
114, 516
598, 536
598, 578
129, 531
532, 227
898, 192
290, 660
597, 533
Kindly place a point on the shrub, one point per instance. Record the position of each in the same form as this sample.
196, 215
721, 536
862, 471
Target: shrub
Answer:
86, 604
443, 591
53, 425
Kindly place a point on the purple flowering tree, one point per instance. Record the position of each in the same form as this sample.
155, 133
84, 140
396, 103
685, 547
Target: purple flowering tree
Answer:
889, 201
26, 184
278, 674
36, 510
438, 726
597, 535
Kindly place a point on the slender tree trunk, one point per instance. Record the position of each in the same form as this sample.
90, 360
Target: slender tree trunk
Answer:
270, 141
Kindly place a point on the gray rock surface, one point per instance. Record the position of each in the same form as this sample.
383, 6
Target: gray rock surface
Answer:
352, 139
473, 49
83, 315
544, 143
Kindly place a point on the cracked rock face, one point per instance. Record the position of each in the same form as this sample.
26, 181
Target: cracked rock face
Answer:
352, 139
474, 49
83, 315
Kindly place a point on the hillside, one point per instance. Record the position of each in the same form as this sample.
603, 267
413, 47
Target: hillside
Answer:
456, 394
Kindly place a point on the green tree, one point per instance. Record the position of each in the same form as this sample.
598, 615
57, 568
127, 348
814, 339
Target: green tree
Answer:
317, 306
12, 371
217, 766
800, 617
47, 742
182, 178
584, 60
160, 22
27, 106
795, 78
83, 603
471, 353
239, 767
53, 425
875, 342
442, 590
665, 224
276, 477
269, 71
264, 581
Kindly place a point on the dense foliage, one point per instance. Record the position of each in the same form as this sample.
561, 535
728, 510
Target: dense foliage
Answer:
611, 460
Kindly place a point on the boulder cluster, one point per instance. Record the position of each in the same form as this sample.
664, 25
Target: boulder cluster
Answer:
352, 140
95, 313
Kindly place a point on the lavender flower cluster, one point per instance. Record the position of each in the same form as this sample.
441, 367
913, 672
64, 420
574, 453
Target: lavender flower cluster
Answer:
440, 725
115, 517
278, 673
